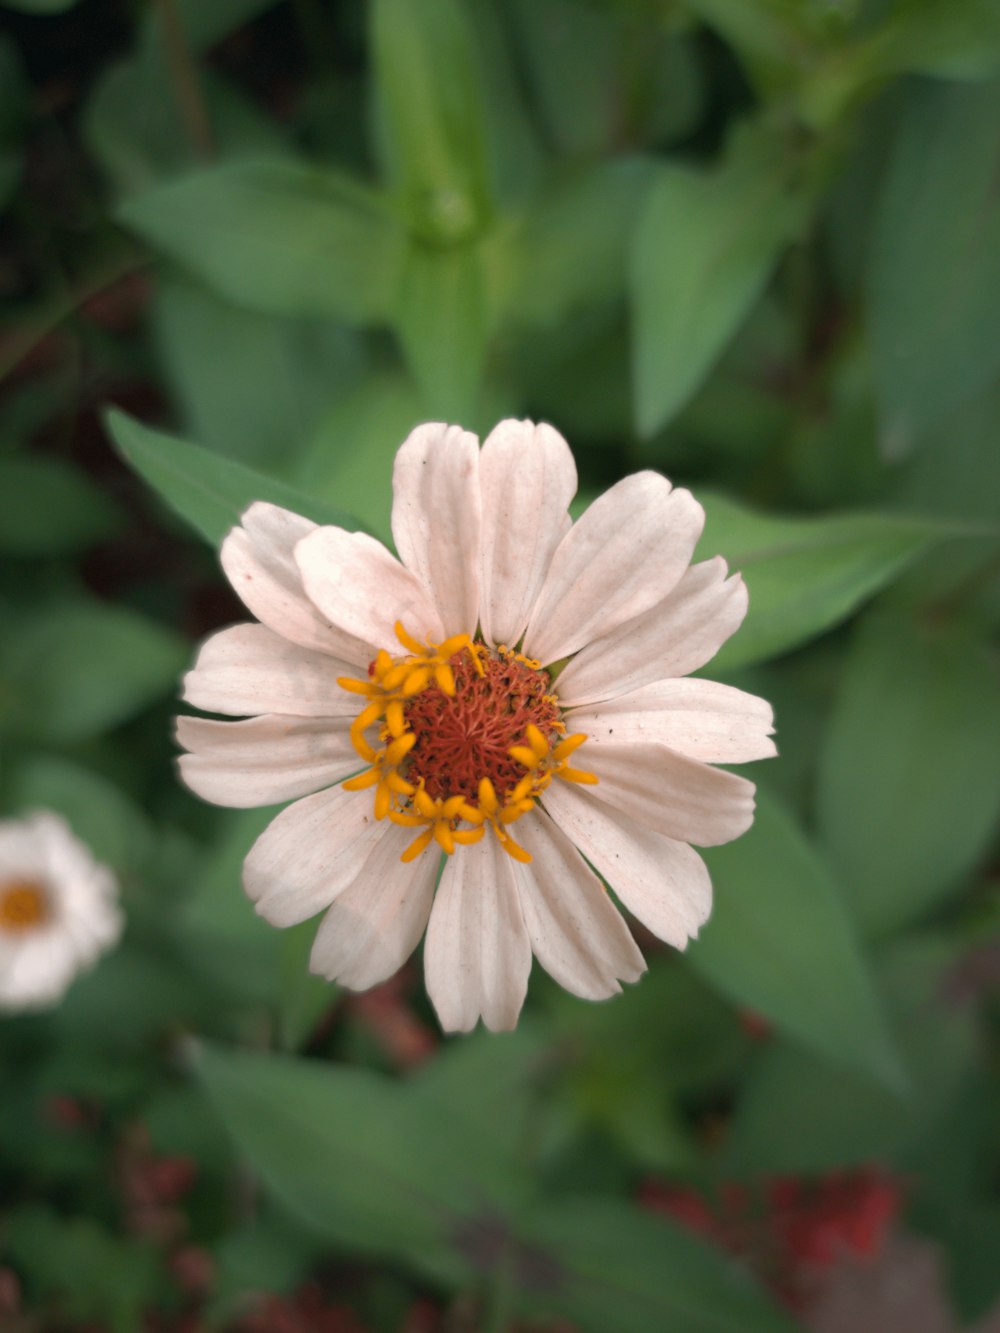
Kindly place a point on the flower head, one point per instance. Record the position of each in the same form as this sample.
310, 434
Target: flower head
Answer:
58, 910
502, 704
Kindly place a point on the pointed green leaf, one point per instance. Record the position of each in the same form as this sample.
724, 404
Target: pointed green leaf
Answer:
934, 273
603, 1264
366, 1165
780, 943
909, 780
277, 235
805, 575
208, 492
704, 247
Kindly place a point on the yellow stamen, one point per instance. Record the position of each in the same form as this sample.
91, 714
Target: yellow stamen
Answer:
545, 762
24, 906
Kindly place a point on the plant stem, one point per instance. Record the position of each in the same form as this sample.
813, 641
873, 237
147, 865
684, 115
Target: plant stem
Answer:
184, 77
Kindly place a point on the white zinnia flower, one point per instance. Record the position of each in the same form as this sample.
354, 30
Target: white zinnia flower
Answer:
511, 690
58, 910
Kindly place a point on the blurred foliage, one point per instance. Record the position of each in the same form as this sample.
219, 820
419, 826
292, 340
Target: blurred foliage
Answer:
754, 244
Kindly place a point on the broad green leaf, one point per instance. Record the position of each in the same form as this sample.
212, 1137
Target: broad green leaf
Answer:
208, 492
50, 507
302, 997
277, 235
204, 25
134, 128
442, 318
349, 460
431, 115
603, 1264
934, 272
798, 1113
365, 1164
77, 668
254, 386
909, 778
805, 575
704, 247
780, 943
957, 40
570, 249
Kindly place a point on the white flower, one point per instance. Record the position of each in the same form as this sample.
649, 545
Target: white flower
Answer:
58, 910
511, 690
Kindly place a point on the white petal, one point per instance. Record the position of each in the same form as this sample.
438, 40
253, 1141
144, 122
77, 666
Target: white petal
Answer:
264, 760
362, 589
528, 479
36, 973
576, 932
259, 560
662, 882
700, 718
376, 923
677, 635
247, 669
310, 853
623, 555
669, 793
436, 512
477, 956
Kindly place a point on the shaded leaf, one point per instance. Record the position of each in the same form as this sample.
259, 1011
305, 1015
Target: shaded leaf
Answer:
780, 943
798, 1112
606, 1265
704, 247
50, 507
208, 492
934, 273
909, 778
805, 575
77, 668
277, 235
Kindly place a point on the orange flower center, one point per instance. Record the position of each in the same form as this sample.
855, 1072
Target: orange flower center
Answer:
468, 739
464, 737
24, 906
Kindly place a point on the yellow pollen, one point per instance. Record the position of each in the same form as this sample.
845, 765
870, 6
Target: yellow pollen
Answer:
24, 906
545, 762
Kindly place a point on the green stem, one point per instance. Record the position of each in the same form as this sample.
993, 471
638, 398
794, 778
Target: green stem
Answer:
184, 77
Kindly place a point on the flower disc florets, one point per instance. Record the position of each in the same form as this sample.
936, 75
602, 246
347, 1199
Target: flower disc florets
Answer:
470, 737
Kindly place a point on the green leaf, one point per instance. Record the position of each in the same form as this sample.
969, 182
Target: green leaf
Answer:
349, 460
431, 115
780, 942
957, 40
363, 1163
254, 386
934, 274
208, 492
302, 997
51, 508
277, 235
705, 245
134, 127
798, 1112
77, 668
909, 779
805, 575
570, 249
204, 25
603, 1264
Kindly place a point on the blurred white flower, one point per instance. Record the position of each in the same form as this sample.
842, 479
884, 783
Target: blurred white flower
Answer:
511, 690
58, 910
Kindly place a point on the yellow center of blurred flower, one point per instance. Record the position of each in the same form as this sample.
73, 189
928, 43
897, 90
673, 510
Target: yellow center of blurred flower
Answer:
468, 739
24, 906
